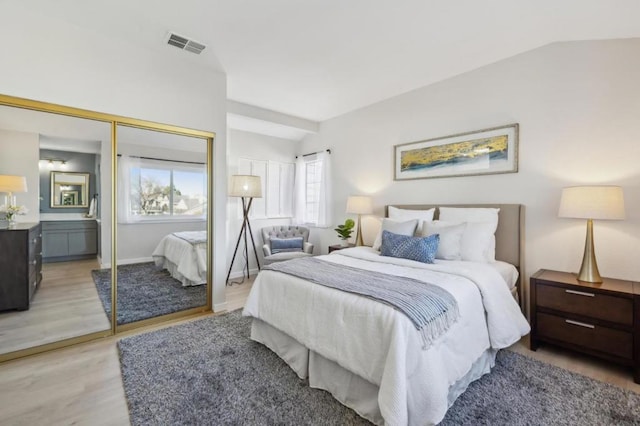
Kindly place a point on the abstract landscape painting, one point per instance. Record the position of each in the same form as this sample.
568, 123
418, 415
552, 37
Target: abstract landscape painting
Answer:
473, 153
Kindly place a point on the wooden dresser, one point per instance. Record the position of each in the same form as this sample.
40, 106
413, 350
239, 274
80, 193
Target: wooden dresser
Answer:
597, 319
20, 265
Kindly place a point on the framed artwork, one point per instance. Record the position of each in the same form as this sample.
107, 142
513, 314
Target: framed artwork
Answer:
482, 152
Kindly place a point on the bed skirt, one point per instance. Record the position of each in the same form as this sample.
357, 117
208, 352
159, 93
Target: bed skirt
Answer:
348, 388
172, 268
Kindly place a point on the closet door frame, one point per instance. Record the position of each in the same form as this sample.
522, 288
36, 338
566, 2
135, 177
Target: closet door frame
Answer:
114, 121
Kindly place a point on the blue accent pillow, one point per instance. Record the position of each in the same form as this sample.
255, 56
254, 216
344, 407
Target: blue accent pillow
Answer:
281, 245
421, 249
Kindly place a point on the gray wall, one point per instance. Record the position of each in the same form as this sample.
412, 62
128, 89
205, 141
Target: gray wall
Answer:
76, 162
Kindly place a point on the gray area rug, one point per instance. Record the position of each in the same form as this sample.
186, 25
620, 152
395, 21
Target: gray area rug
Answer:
209, 372
146, 291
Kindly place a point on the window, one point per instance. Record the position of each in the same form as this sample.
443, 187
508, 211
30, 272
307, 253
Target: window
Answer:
313, 190
277, 188
161, 190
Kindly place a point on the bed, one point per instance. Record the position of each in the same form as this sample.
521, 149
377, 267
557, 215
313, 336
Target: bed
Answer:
368, 355
184, 255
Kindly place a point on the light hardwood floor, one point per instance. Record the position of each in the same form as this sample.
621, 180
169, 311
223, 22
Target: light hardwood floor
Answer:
66, 305
79, 385
82, 384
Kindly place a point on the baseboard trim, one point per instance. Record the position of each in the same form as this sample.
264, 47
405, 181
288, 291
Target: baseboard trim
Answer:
240, 274
136, 260
219, 307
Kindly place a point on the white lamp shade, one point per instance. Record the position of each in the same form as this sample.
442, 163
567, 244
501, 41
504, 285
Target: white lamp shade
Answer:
359, 204
245, 186
9, 183
592, 202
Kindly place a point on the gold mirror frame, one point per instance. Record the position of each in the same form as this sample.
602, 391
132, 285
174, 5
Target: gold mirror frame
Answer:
80, 195
114, 121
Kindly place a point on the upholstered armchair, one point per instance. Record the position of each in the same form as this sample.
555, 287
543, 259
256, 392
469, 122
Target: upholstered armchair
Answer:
285, 243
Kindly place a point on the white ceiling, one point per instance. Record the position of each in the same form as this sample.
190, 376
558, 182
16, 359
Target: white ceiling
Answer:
317, 59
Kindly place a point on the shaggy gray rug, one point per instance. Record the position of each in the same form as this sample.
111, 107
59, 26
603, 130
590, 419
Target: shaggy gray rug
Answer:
146, 291
209, 372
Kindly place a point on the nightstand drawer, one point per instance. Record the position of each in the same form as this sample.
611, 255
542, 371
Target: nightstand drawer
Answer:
607, 340
582, 301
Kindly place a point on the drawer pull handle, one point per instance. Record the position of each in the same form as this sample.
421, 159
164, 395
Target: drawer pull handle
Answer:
35, 240
580, 293
34, 262
581, 324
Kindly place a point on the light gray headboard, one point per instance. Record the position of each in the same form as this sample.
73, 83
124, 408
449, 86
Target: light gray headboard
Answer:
509, 235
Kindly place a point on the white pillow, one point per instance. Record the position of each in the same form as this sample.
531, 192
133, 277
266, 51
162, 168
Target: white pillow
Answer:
486, 215
404, 215
402, 228
450, 233
477, 242
470, 214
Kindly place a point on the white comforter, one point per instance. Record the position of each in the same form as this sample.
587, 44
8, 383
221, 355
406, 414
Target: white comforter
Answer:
379, 343
185, 261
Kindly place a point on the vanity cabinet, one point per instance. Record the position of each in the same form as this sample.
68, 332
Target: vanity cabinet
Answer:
69, 240
20, 265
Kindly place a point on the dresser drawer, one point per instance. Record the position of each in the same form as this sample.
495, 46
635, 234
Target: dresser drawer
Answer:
607, 340
586, 303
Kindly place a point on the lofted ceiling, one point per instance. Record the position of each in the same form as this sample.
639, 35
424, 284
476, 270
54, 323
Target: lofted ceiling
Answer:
317, 59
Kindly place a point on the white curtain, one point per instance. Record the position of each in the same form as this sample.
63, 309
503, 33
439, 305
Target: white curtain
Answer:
299, 191
324, 212
323, 218
125, 164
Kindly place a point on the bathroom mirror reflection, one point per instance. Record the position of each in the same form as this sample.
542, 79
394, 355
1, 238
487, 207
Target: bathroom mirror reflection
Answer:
69, 190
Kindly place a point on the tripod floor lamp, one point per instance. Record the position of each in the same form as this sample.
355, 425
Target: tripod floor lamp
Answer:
247, 187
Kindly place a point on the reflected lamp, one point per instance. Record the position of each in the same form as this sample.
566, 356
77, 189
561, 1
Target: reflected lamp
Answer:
11, 184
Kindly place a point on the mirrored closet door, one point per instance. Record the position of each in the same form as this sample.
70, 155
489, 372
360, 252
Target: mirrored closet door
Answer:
52, 255
78, 208
162, 217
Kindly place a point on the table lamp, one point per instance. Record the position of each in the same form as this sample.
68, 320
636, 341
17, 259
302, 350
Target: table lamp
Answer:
11, 184
359, 204
591, 202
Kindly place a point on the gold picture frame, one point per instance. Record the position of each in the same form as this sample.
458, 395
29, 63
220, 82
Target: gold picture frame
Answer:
481, 152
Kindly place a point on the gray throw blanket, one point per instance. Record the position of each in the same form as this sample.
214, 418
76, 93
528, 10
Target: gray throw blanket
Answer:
430, 308
193, 237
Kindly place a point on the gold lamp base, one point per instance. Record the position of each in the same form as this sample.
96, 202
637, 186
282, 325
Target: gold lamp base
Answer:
359, 241
589, 268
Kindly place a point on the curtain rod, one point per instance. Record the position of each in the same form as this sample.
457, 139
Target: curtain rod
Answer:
163, 159
313, 153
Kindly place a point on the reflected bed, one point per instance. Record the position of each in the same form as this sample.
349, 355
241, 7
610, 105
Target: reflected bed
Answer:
184, 255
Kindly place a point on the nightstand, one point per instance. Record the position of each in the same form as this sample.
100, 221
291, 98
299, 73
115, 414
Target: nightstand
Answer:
339, 247
602, 320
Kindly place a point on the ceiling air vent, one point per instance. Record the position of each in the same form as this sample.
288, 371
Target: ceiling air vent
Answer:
185, 43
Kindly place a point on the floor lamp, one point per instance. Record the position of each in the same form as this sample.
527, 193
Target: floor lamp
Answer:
247, 188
